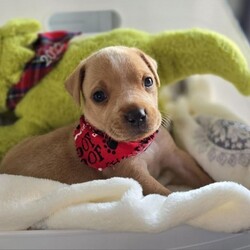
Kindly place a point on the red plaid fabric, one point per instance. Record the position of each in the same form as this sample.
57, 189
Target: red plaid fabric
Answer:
49, 49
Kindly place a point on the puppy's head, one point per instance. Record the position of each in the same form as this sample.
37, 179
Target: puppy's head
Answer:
119, 90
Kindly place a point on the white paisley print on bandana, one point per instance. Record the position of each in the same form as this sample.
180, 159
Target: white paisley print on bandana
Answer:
224, 141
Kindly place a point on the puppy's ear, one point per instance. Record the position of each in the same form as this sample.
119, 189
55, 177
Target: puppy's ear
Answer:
151, 63
73, 83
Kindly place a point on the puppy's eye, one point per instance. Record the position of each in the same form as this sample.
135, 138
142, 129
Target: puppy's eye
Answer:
99, 96
148, 82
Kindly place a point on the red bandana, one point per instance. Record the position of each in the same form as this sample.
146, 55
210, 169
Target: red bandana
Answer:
97, 150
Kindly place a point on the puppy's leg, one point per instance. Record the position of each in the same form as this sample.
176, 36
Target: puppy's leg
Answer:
185, 170
182, 167
151, 186
137, 169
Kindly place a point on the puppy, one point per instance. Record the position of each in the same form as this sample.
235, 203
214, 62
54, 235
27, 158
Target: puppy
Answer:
119, 135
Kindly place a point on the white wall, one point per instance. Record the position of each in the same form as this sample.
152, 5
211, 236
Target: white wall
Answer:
148, 15
236, 6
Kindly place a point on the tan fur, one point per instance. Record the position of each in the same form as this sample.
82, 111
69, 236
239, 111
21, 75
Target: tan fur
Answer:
120, 73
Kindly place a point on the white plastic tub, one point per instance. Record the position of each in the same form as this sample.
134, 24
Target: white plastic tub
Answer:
152, 16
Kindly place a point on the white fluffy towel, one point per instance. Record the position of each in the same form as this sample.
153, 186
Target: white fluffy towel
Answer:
118, 204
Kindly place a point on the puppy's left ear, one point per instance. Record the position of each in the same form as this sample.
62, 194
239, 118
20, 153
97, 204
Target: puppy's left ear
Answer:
74, 82
151, 63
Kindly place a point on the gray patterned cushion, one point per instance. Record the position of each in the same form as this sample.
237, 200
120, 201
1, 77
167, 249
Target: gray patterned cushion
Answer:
222, 147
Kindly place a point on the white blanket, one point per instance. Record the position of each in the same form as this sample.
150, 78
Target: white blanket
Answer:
118, 205
217, 135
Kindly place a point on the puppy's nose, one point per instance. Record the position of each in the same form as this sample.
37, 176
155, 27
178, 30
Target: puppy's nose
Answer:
136, 117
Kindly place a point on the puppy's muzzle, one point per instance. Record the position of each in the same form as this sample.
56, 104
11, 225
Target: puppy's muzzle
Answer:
136, 118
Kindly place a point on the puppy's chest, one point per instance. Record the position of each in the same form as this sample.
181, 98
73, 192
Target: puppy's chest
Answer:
153, 157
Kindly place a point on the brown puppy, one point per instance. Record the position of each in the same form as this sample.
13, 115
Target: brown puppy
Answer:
118, 88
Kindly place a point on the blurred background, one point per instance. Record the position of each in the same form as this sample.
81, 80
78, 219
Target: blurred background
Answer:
152, 16
241, 10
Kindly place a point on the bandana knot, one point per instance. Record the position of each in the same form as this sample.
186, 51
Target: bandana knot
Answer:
98, 150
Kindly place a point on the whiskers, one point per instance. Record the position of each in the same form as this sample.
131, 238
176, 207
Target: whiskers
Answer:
166, 121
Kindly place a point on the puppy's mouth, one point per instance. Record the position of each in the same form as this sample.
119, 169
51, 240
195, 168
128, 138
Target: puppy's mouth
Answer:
128, 133
129, 136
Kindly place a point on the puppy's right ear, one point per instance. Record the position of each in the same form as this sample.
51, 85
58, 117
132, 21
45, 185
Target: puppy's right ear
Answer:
74, 82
